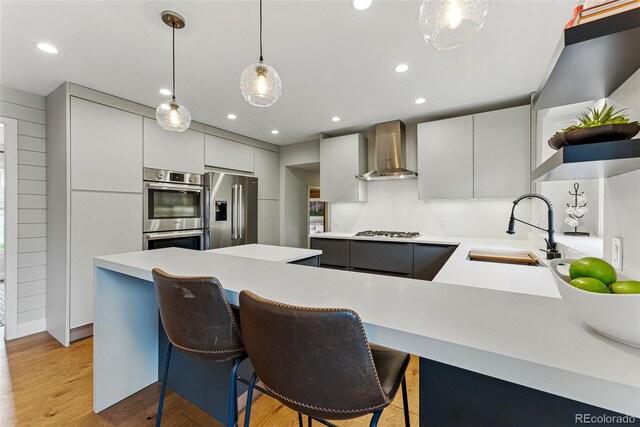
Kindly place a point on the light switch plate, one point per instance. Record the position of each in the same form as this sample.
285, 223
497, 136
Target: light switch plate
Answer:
616, 252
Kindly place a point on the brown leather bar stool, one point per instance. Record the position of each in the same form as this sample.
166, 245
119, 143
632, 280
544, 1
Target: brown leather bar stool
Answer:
199, 322
317, 361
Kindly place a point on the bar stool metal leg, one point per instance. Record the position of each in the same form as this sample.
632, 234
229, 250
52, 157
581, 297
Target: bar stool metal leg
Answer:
375, 418
247, 411
300, 420
232, 419
164, 383
405, 401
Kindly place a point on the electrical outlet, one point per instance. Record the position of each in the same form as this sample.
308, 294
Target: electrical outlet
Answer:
616, 252
442, 223
336, 221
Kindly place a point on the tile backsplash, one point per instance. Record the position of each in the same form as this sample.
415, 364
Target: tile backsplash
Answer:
394, 205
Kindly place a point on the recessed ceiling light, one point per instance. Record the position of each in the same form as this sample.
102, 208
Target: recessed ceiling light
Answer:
420, 101
231, 116
335, 118
165, 91
361, 4
401, 68
46, 47
275, 131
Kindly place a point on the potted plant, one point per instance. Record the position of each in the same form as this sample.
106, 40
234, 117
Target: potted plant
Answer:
596, 125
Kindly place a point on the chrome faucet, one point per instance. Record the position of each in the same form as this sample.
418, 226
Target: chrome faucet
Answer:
552, 251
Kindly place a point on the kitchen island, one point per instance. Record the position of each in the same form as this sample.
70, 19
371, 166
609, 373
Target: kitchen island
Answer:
495, 342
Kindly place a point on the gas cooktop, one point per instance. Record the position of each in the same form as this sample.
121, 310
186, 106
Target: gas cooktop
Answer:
391, 234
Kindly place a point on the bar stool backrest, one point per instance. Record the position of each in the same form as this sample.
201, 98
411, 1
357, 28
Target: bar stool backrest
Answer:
316, 361
197, 317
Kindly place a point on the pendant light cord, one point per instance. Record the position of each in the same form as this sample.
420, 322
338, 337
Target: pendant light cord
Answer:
173, 89
261, 31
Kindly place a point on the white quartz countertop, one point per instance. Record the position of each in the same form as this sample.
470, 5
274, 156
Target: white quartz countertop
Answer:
268, 252
459, 270
524, 339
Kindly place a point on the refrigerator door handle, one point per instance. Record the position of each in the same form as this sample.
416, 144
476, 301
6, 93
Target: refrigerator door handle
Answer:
234, 209
239, 213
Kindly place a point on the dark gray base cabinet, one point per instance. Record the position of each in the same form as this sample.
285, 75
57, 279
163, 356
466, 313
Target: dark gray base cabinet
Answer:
389, 258
402, 259
336, 253
428, 259
313, 261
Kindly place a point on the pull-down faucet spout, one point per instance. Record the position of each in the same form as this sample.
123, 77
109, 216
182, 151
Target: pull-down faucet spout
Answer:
551, 250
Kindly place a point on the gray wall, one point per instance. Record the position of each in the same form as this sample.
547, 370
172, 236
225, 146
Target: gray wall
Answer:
296, 226
29, 110
296, 160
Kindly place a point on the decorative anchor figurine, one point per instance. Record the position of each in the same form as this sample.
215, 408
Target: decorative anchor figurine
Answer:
576, 211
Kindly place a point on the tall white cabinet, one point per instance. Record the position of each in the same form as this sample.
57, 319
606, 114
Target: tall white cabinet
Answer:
94, 202
479, 156
267, 169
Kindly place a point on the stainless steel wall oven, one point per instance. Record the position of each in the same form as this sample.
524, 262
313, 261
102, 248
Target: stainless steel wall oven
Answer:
172, 200
173, 209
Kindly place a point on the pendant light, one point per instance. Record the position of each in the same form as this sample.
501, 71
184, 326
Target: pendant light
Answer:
447, 24
260, 83
172, 115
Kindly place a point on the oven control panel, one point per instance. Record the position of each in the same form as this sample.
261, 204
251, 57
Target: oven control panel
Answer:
173, 177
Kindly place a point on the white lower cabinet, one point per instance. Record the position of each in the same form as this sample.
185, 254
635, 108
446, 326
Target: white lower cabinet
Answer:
268, 222
101, 224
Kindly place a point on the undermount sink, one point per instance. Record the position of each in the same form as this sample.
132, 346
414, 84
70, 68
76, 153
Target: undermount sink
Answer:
505, 257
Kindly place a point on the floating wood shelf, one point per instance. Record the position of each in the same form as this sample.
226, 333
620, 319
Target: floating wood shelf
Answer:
591, 61
590, 161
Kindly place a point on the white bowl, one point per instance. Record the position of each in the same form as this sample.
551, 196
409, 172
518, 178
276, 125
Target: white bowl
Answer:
616, 316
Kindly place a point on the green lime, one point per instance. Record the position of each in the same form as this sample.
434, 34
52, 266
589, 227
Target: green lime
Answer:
626, 287
590, 284
593, 267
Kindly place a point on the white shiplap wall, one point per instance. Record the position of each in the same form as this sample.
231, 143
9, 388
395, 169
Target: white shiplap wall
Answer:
29, 110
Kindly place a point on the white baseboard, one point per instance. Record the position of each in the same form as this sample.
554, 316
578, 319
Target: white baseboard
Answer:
33, 327
242, 399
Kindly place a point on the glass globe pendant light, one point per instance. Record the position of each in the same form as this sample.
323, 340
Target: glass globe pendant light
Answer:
171, 114
447, 24
260, 83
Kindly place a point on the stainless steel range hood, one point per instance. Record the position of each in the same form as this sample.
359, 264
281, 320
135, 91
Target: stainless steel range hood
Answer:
389, 154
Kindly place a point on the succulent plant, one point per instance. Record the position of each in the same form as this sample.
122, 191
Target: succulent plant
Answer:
595, 117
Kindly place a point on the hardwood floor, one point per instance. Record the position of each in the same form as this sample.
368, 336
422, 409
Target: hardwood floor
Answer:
45, 384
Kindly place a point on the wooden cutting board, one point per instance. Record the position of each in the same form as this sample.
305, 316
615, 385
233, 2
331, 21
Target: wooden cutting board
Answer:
515, 257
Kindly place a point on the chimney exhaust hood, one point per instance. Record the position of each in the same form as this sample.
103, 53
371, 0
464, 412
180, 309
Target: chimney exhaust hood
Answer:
389, 154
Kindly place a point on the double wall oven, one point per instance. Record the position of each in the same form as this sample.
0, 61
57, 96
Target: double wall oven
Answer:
173, 209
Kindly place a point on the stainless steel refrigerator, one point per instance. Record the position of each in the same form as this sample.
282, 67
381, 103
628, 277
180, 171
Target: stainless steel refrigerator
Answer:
231, 213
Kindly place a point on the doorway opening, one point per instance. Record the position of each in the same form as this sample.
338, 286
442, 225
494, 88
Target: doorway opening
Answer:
317, 212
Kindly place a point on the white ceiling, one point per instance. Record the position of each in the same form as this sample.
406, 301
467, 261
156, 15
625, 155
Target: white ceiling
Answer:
333, 60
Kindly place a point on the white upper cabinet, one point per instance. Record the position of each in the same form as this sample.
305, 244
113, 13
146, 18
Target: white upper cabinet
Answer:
342, 159
106, 148
223, 153
445, 159
176, 151
501, 153
267, 170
